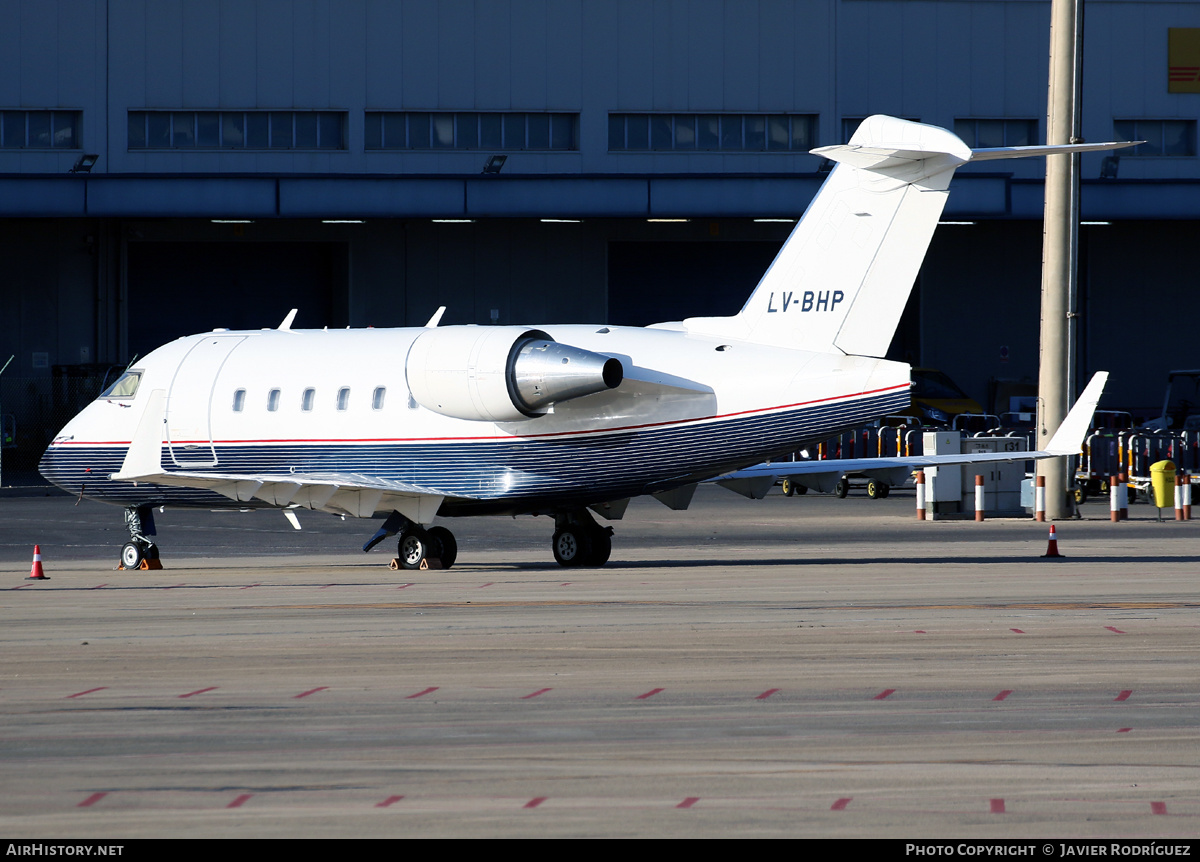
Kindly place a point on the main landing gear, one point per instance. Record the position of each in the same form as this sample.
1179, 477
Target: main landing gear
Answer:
140, 551
417, 545
579, 540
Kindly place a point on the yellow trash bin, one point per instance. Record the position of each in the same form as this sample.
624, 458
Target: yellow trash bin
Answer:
1162, 481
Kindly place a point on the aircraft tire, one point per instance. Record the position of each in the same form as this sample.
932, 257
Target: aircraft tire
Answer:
132, 555
572, 546
842, 488
445, 546
412, 548
873, 490
799, 489
789, 488
601, 549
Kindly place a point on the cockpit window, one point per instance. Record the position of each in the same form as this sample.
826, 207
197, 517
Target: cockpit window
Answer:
125, 386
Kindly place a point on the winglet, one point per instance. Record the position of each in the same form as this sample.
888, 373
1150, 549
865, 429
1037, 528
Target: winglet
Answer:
286, 326
437, 318
144, 457
1068, 439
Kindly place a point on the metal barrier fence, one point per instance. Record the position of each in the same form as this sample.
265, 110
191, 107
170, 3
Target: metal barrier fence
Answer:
1131, 452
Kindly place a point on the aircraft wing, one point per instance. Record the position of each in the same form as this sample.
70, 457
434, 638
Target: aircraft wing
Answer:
823, 475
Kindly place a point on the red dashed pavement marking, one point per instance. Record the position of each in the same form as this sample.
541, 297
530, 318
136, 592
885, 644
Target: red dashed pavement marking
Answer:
1158, 808
89, 691
488, 584
650, 693
249, 586
766, 694
887, 692
1124, 695
840, 805
1124, 730
1114, 629
391, 800
996, 806
91, 800
311, 691
689, 802
920, 632
402, 586
432, 688
1018, 631
535, 802
199, 691
534, 693
1003, 694
240, 801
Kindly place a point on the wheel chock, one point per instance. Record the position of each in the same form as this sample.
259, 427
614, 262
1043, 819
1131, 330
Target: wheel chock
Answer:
144, 566
394, 565
426, 564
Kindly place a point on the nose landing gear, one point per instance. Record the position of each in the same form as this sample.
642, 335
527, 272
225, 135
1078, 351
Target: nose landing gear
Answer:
139, 552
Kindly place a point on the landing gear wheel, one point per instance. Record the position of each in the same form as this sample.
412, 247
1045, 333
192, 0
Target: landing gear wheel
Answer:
800, 489
1080, 495
842, 488
445, 547
875, 490
132, 555
788, 488
601, 549
573, 546
412, 548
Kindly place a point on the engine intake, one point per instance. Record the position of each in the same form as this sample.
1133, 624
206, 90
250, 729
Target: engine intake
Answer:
502, 373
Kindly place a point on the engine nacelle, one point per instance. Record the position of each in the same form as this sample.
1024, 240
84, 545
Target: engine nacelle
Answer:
501, 373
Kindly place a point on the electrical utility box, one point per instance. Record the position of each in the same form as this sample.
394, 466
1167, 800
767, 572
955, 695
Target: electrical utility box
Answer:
950, 491
943, 485
1001, 479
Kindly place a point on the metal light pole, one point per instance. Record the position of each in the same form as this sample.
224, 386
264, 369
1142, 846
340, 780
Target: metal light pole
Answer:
1059, 247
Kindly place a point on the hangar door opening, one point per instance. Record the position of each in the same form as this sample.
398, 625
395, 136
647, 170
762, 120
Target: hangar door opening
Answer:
181, 288
652, 282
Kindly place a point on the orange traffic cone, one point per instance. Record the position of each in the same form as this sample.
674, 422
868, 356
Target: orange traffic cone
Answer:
1052, 549
36, 573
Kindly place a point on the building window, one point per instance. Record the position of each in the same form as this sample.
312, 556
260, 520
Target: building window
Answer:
470, 130
1162, 137
997, 133
239, 400
738, 133
40, 130
377, 398
273, 400
306, 400
343, 398
237, 130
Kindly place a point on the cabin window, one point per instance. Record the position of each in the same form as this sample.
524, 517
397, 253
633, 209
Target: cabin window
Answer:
377, 397
343, 398
125, 386
239, 400
273, 400
306, 401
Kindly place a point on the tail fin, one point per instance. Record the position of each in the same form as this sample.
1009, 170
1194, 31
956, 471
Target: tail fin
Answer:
841, 281
843, 277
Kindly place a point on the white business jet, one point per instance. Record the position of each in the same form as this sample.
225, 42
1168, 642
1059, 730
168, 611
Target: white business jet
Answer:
439, 421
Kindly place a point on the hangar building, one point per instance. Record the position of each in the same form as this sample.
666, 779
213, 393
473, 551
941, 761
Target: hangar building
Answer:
171, 166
